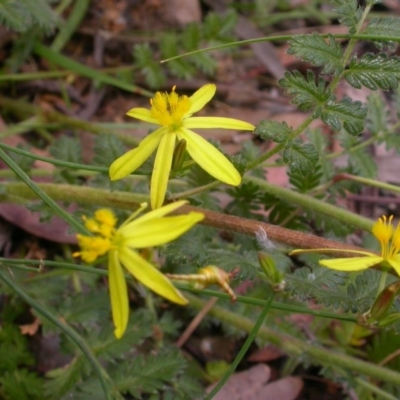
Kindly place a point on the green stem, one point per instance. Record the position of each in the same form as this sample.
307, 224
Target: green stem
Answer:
59, 266
310, 203
79, 194
41, 194
369, 182
24, 109
102, 375
299, 348
60, 163
281, 146
243, 350
67, 30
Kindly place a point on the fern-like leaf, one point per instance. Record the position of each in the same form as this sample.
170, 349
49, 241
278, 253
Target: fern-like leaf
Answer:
278, 132
305, 183
150, 68
300, 157
21, 15
316, 50
350, 114
349, 13
67, 149
306, 92
388, 26
374, 71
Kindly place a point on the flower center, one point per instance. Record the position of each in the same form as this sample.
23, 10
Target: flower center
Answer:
388, 238
103, 227
169, 108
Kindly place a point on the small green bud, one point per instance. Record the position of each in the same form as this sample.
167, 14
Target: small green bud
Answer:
179, 155
384, 301
274, 276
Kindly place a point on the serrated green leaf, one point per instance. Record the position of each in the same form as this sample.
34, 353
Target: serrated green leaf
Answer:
300, 156
363, 163
305, 183
306, 92
374, 71
387, 26
63, 380
350, 114
349, 13
276, 131
220, 28
21, 384
317, 51
22, 15
25, 163
147, 375
150, 68
107, 148
67, 149
169, 47
378, 115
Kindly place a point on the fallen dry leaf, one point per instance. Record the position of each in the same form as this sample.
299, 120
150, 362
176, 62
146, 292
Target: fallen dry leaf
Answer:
30, 329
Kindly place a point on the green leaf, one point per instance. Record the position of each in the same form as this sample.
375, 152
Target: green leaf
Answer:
107, 148
169, 46
67, 149
143, 55
21, 384
147, 375
278, 132
374, 71
220, 28
62, 380
21, 15
13, 348
364, 163
377, 121
350, 114
300, 156
306, 92
349, 13
23, 162
387, 26
317, 51
305, 183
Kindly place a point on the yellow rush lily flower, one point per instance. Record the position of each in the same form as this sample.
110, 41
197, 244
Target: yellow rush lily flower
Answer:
174, 114
151, 229
387, 236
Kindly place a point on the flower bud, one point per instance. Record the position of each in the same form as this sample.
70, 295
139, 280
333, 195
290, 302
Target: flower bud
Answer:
274, 276
179, 155
384, 301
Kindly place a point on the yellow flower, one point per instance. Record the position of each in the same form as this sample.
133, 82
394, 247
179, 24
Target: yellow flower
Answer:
174, 114
388, 238
151, 229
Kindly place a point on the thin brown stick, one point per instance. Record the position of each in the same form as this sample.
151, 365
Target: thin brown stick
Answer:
195, 322
250, 227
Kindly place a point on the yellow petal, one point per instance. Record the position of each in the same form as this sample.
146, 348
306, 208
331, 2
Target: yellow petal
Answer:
133, 159
209, 158
395, 264
161, 169
325, 250
352, 263
118, 294
217, 122
159, 231
150, 276
159, 212
201, 97
143, 114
